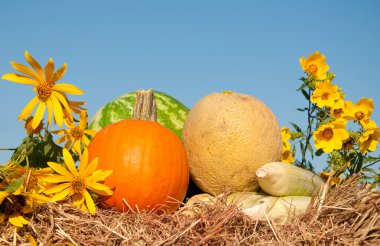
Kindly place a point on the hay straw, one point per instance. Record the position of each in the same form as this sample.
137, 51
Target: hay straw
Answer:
348, 215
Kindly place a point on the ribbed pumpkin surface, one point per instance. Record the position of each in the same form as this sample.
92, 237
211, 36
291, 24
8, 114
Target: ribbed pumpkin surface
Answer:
149, 163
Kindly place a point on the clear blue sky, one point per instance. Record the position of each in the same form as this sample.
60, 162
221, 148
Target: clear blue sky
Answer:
188, 50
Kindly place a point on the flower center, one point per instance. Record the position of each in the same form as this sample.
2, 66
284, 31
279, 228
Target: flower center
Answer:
338, 111
43, 91
77, 133
312, 69
325, 96
348, 144
359, 115
78, 185
327, 133
29, 128
12, 204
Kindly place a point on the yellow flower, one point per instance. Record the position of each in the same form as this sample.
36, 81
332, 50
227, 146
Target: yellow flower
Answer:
325, 94
337, 110
72, 183
11, 207
76, 136
34, 179
368, 124
360, 112
49, 94
75, 107
342, 95
285, 134
34, 199
287, 156
333, 180
369, 140
29, 129
349, 144
315, 65
330, 136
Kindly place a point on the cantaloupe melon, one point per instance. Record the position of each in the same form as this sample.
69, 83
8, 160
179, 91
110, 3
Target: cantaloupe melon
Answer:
228, 136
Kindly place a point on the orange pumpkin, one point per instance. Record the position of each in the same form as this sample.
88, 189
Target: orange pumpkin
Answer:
149, 163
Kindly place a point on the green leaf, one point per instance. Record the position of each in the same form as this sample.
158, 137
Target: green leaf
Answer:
297, 128
370, 159
302, 109
306, 95
319, 152
303, 150
359, 163
310, 150
13, 186
303, 86
38, 151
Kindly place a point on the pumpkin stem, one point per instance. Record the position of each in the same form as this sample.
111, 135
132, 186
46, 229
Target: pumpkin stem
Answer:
145, 106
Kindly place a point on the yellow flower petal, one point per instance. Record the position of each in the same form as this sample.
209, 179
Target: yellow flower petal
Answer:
373, 146
40, 198
17, 220
100, 189
62, 139
61, 99
31, 240
68, 88
57, 179
99, 175
18, 78
83, 162
57, 188
68, 144
77, 146
37, 67
59, 169
59, 73
62, 195
90, 132
90, 168
70, 164
25, 70
368, 124
49, 105
59, 132
85, 140
58, 114
83, 119
39, 115
28, 109
3, 195
97, 186
49, 68
78, 199
90, 203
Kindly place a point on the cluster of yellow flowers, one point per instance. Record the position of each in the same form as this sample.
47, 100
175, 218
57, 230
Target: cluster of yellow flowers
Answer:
22, 188
333, 134
51, 96
329, 119
287, 153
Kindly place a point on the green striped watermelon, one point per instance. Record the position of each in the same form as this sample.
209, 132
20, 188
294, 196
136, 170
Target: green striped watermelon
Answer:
170, 112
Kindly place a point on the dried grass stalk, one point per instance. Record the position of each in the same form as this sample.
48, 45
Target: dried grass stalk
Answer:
349, 215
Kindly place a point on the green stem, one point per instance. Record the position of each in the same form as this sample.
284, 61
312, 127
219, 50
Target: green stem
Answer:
7, 149
373, 163
310, 111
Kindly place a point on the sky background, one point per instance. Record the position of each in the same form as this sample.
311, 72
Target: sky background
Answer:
189, 50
